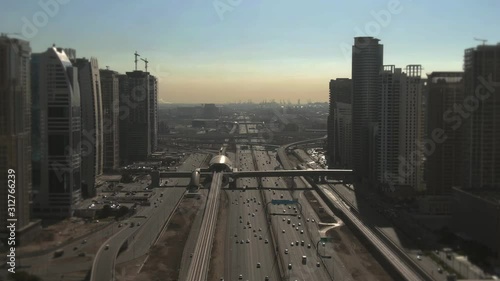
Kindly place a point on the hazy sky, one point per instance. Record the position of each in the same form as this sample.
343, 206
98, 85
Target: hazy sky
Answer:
237, 50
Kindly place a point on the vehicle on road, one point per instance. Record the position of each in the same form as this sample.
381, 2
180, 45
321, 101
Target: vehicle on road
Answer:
106, 247
304, 259
58, 253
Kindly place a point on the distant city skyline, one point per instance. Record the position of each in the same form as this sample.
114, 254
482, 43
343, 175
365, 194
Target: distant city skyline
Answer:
220, 52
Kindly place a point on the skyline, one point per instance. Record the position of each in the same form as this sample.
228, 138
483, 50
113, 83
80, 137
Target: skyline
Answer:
217, 52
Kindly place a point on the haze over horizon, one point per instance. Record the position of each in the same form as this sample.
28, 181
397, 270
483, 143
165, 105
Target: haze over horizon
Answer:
228, 51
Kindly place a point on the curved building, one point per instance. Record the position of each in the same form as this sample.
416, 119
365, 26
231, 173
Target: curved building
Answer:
56, 137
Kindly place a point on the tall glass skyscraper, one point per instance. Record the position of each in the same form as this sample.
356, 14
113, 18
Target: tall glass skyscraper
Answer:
56, 134
367, 61
15, 128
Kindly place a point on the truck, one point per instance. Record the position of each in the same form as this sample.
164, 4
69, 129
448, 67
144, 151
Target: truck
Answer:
304, 259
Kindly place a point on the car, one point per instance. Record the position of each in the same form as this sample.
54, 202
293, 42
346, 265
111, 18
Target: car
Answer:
235, 235
286, 251
237, 241
419, 257
266, 241
291, 244
309, 246
283, 231
297, 228
302, 243
284, 211
260, 237
120, 225
242, 242
293, 225
284, 219
317, 264
258, 265
254, 230
260, 229
266, 278
301, 231
82, 254
248, 241
307, 220
289, 266
84, 241
106, 247
240, 277
75, 248
296, 243
255, 235
312, 220
299, 224
440, 270
244, 227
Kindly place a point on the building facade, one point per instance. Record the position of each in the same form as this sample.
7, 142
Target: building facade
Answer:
92, 123
339, 123
399, 160
15, 130
443, 166
367, 61
153, 111
481, 118
110, 113
56, 134
135, 125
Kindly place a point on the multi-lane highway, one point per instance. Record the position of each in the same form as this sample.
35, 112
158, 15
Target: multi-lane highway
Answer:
147, 225
249, 240
265, 255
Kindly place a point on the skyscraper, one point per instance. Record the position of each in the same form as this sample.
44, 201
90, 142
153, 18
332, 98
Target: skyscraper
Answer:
367, 60
399, 161
340, 124
153, 111
135, 125
56, 134
110, 112
443, 166
481, 117
15, 129
92, 133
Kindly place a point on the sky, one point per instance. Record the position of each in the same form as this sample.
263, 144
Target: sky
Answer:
218, 51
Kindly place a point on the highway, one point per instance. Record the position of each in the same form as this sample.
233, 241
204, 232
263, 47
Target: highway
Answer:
148, 223
308, 221
198, 269
247, 221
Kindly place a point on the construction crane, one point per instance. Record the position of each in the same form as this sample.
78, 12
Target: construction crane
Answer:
482, 40
145, 63
136, 55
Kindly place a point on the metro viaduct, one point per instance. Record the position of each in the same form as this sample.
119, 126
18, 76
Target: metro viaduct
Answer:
222, 163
